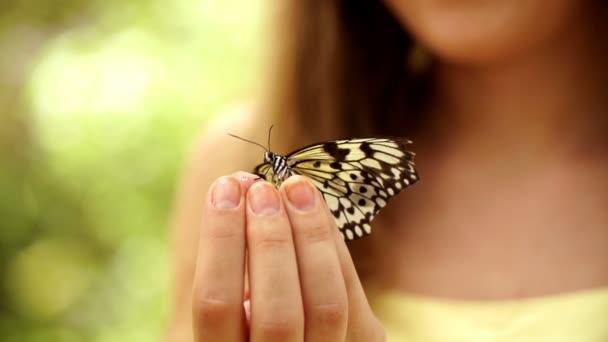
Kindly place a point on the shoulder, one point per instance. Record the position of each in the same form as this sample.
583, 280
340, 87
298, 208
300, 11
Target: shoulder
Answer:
214, 153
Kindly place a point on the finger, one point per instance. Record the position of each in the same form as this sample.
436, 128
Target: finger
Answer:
218, 289
323, 290
362, 323
246, 179
276, 304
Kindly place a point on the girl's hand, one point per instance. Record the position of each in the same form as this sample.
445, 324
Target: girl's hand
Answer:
303, 284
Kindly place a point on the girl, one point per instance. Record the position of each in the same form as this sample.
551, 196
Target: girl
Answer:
505, 238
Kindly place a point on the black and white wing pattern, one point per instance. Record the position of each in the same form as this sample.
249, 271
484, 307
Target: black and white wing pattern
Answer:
356, 176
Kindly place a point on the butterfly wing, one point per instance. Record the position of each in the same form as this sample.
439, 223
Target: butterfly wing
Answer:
356, 177
264, 171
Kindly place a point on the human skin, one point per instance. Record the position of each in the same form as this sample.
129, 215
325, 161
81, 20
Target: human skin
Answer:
482, 32
514, 159
301, 281
511, 203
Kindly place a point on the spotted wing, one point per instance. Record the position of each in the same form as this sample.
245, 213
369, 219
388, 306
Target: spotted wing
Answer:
356, 177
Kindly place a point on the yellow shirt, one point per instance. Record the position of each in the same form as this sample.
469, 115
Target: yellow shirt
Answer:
574, 317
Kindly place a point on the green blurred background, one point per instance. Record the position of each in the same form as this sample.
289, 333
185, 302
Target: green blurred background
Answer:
100, 100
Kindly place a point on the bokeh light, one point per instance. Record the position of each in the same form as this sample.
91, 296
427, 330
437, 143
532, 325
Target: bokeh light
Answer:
101, 100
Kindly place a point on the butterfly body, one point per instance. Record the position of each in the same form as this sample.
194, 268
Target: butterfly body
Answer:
355, 176
280, 167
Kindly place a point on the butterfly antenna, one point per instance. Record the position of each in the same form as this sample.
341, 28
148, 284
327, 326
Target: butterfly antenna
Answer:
249, 141
269, 131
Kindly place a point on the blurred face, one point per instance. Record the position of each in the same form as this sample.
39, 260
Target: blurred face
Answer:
474, 31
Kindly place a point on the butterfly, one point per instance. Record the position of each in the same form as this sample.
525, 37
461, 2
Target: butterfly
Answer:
355, 176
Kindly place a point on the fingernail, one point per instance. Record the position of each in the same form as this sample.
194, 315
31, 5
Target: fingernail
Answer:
226, 193
264, 199
301, 195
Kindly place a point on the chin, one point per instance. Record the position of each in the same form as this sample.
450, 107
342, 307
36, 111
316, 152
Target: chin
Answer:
482, 31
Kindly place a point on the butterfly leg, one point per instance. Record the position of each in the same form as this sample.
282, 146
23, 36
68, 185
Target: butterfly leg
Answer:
277, 182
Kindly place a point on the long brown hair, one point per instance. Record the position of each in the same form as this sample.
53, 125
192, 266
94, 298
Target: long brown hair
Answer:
341, 69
